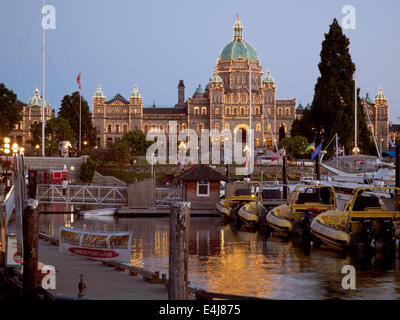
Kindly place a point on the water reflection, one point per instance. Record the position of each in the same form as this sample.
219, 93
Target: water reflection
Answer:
226, 259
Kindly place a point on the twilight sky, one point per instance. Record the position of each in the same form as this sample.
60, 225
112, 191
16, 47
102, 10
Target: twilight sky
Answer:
155, 43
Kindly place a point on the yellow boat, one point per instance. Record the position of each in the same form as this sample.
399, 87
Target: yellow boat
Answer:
305, 203
249, 213
371, 215
239, 193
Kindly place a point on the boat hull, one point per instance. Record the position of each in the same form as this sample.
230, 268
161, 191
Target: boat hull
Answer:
330, 236
278, 222
248, 214
223, 209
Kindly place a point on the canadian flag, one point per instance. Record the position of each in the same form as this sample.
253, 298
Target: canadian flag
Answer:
79, 80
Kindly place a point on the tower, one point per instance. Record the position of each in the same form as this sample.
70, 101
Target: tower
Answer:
181, 95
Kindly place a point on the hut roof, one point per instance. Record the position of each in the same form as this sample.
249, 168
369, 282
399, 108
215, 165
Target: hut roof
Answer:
201, 172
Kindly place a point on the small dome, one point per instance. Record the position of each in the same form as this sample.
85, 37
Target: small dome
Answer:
36, 100
380, 95
367, 99
99, 93
135, 93
208, 86
268, 78
199, 90
216, 78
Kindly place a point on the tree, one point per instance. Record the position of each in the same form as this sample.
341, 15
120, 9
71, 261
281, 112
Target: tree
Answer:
136, 141
87, 170
10, 112
332, 108
121, 153
57, 129
69, 110
293, 146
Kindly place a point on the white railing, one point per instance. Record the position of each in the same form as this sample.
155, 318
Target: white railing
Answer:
164, 196
82, 194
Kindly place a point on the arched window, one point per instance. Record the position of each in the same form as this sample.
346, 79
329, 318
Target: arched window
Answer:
203, 111
257, 110
269, 111
183, 126
235, 110
258, 127
242, 110
217, 125
280, 111
196, 110
109, 128
216, 111
228, 110
287, 111
117, 128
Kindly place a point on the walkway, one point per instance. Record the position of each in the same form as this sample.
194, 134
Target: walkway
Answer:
102, 282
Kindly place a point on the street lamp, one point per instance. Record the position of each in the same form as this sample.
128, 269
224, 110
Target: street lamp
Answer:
7, 151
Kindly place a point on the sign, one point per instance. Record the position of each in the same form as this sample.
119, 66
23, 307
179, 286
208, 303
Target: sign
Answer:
114, 246
13, 259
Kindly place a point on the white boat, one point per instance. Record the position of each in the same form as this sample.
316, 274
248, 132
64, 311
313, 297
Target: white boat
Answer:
100, 212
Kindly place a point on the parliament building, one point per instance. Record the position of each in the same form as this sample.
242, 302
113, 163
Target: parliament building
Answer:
222, 104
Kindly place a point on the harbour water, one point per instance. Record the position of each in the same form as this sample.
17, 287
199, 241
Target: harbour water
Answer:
227, 259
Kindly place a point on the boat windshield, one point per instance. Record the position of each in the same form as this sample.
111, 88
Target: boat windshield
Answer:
386, 199
245, 189
320, 195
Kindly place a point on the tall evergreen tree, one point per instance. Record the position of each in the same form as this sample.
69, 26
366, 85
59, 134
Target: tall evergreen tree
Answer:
69, 110
332, 109
10, 112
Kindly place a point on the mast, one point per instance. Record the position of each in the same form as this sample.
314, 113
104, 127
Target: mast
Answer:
251, 138
43, 91
355, 114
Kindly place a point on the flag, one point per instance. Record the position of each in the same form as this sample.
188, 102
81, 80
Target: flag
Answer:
316, 151
338, 151
279, 154
391, 143
79, 80
308, 147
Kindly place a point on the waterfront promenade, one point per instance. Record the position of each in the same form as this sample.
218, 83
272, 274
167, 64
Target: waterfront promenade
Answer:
102, 282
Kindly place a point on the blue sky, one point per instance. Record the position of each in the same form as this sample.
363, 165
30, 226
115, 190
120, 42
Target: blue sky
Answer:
154, 44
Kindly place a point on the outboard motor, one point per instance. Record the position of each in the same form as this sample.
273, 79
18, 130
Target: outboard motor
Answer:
367, 235
306, 220
388, 238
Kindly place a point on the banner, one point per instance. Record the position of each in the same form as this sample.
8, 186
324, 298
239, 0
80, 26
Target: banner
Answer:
114, 246
13, 259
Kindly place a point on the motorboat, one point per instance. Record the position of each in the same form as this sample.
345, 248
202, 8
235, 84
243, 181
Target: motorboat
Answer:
305, 203
371, 216
100, 212
239, 193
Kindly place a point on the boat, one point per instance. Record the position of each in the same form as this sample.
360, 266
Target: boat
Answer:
238, 194
371, 215
271, 196
100, 212
305, 203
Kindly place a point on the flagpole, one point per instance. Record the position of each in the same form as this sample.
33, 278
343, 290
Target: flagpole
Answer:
80, 119
251, 144
43, 103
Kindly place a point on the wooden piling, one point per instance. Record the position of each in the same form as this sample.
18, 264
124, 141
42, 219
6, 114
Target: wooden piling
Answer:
317, 168
179, 251
285, 178
30, 229
397, 183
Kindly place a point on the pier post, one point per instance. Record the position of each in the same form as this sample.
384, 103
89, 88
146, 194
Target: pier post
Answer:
179, 251
397, 183
285, 178
30, 229
317, 169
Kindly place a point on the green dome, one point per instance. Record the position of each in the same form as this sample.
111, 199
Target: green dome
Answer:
268, 78
135, 93
208, 86
368, 99
238, 49
380, 95
99, 93
216, 78
199, 90
36, 100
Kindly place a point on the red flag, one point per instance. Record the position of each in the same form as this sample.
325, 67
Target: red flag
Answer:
79, 80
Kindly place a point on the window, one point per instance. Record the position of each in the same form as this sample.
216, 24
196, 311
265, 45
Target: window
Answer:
183, 126
242, 110
217, 126
258, 127
203, 111
125, 128
196, 110
228, 110
109, 128
216, 111
203, 188
235, 110
117, 127
287, 111
280, 111
257, 109
269, 111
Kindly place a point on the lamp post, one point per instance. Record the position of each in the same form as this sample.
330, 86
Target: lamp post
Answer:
7, 152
